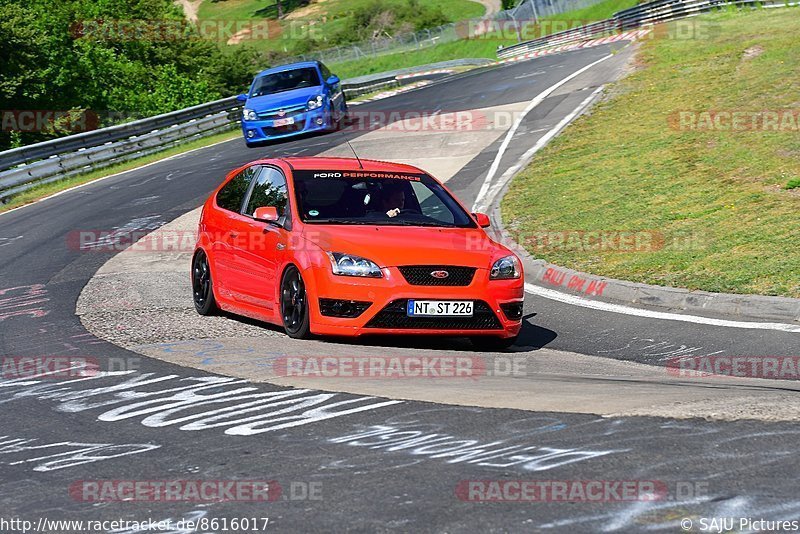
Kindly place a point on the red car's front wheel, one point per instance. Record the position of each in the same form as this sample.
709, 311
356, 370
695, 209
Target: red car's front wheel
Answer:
294, 305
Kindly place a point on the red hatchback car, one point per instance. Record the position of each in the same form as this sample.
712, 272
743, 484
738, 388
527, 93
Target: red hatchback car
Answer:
336, 246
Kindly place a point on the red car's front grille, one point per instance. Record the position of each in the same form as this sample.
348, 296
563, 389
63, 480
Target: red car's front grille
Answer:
437, 275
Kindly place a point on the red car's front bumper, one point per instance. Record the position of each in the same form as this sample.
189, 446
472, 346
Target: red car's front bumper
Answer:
387, 297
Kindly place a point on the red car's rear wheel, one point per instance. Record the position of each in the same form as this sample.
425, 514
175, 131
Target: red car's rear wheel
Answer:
202, 286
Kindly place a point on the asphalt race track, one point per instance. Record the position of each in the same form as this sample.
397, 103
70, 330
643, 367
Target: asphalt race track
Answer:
350, 460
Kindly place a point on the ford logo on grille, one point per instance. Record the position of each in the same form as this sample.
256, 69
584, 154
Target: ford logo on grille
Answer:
440, 274
281, 113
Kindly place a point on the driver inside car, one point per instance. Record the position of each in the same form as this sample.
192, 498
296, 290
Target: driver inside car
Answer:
392, 201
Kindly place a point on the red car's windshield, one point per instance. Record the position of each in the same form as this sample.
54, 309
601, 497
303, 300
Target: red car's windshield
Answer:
376, 198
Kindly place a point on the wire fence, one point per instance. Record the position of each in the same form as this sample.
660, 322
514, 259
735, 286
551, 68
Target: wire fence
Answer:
528, 10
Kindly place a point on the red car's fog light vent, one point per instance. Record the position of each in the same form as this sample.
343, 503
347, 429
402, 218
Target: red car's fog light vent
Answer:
512, 310
342, 308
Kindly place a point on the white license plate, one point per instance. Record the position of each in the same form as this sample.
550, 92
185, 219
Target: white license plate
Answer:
283, 122
439, 308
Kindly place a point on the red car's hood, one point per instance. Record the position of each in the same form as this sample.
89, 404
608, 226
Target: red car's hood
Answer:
390, 246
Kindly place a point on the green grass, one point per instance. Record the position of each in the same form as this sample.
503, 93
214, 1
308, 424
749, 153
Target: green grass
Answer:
599, 11
717, 197
46, 190
466, 48
484, 47
232, 9
249, 9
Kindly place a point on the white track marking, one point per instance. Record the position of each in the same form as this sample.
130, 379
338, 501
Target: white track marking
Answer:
498, 186
533, 103
575, 300
604, 306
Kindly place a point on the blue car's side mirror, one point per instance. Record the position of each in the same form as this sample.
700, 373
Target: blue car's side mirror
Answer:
333, 80
241, 98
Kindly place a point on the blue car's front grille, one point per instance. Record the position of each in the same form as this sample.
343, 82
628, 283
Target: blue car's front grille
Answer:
282, 130
281, 113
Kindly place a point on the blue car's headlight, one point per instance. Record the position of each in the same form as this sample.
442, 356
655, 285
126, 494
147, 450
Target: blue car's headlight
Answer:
315, 103
505, 269
351, 265
249, 115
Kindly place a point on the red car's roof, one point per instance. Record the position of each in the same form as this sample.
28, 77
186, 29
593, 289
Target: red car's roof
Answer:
346, 164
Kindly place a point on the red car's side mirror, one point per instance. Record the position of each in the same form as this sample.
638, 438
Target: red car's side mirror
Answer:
266, 214
482, 219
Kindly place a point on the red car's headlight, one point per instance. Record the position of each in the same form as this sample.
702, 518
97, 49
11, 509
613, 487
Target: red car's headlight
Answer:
352, 265
507, 268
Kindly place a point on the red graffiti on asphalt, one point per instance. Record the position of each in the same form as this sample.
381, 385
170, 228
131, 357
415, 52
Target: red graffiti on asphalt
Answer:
575, 282
23, 301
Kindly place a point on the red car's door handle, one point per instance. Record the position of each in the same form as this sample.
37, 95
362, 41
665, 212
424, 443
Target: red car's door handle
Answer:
233, 235
280, 246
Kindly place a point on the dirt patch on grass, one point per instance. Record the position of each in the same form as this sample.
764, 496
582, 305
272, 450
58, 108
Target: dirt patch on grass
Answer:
190, 8
310, 11
752, 52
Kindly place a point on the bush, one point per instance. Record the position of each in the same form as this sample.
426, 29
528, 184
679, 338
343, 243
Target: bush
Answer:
792, 184
46, 65
387, 19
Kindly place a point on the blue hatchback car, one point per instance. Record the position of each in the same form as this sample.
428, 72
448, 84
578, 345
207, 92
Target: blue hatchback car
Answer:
291, 100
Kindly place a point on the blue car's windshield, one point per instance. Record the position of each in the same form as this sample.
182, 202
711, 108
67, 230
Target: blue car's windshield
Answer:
286, 81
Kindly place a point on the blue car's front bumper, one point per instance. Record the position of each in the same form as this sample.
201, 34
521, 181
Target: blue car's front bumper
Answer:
305, 122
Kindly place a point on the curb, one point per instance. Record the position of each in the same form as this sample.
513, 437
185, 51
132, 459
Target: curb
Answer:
594, 287
401, 78
587, 43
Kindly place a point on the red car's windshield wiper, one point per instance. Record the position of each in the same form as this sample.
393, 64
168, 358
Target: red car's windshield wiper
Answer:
339, 221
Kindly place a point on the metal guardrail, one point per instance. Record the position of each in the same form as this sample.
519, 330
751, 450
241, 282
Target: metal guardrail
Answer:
26, 167
642, 15
41, 163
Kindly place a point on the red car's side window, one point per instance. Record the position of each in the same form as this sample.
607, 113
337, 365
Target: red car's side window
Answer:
231, 197
269, 191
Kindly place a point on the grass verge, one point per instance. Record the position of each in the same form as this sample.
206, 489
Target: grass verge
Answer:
483, 47
720, 200
45, 190
328, 17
